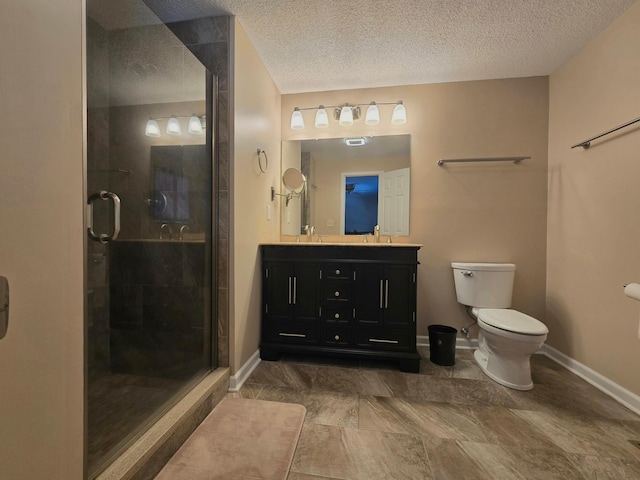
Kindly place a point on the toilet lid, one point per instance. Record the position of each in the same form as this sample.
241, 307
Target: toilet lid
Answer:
512, 321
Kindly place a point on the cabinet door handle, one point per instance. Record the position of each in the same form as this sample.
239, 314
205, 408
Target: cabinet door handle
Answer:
295, 289
289, 290
381, 296
386, 294
336, 294
337, 315
337, 271
297, 335
380, 340
337, 337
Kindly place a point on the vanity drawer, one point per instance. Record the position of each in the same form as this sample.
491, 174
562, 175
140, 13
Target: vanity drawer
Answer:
292, 333
337, 271
337, 313
337, 292
385, 339
337, 336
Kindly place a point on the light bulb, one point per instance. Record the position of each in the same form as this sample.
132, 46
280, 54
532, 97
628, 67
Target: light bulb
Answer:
399, 116
322, 119
373, 115
173, 126
152, 129
195, 125
346, 116
297, 122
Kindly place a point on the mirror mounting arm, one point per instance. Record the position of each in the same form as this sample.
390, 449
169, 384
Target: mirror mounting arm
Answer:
288, 196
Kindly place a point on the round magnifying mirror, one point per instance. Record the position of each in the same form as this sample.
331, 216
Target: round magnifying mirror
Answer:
293, 179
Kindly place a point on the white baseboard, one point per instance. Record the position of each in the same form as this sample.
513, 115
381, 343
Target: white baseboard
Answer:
602, 383
236, 381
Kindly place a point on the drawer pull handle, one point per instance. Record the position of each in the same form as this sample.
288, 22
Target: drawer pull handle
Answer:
337, 315
299, 335
379, 340
337, 294
337, 272
337, 337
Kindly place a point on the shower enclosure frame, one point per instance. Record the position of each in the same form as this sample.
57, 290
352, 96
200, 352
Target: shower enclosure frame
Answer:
212, 103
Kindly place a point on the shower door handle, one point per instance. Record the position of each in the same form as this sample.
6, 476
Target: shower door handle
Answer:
103, 237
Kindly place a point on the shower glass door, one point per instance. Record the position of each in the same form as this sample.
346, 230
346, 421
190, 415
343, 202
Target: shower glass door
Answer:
149, 214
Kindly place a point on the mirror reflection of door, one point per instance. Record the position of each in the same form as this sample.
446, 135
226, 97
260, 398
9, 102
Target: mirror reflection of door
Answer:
375, 198
394, 208
361, 195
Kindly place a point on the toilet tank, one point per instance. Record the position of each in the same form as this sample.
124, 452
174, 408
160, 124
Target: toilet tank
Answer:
486, 285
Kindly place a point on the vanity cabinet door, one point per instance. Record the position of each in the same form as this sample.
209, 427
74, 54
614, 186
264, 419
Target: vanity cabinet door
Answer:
385, 295
368, 296
277, 291
306, 281
399, 296
291, 291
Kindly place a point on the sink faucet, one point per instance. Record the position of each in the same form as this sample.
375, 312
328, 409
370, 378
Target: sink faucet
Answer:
376, 233
310, 232
162, 227
183, 229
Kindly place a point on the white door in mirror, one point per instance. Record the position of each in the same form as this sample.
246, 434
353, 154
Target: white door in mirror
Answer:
393, 210
4, 306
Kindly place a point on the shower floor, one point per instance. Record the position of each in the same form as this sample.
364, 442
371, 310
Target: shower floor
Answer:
119, 404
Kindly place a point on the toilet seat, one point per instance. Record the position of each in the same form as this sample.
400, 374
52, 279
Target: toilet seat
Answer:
511, 321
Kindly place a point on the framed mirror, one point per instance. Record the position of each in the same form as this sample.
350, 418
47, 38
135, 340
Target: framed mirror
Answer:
352, 184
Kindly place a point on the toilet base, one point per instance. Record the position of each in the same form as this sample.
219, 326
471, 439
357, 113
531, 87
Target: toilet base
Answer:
482, 360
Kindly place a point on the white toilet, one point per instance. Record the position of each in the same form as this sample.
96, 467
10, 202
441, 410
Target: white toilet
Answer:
507, 338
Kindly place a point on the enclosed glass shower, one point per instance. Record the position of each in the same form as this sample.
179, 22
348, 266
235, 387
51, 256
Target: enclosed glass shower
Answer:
150, 241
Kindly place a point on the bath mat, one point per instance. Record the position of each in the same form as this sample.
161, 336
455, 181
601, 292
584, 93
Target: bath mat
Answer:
240, 439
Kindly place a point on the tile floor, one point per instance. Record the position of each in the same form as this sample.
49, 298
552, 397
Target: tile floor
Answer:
370, 421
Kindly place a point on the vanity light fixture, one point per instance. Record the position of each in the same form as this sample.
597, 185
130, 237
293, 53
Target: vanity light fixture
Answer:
399, 116
297, 122
346, 114
195, 125
152, 129
173, 127
322, 119
373, 115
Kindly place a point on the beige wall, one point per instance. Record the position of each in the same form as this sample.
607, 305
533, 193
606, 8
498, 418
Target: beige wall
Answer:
41, 239
256, 107
290, 214
489, 212
593, 227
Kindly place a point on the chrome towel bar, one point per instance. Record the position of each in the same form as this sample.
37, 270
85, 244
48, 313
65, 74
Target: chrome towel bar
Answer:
587, 143
489, 159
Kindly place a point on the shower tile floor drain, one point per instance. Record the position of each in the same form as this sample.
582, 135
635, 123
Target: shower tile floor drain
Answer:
635, 443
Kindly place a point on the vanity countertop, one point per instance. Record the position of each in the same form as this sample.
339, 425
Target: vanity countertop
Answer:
304, 243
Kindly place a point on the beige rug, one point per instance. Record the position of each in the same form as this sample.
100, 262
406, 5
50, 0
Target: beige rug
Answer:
240, 439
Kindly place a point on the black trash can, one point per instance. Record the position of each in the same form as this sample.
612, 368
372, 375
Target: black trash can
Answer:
442, 344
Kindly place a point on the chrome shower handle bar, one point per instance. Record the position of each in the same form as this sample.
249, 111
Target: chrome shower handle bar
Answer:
103, 237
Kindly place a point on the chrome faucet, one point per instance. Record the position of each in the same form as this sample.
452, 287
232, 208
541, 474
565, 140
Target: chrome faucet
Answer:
183, 228
310, 232
162, 227
376, 233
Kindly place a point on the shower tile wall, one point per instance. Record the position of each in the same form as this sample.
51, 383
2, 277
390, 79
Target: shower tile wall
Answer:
209, 40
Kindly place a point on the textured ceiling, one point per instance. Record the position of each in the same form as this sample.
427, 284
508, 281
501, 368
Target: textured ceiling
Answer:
318, 45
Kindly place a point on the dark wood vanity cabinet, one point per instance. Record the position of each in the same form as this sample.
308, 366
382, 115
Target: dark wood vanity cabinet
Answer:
357, 301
